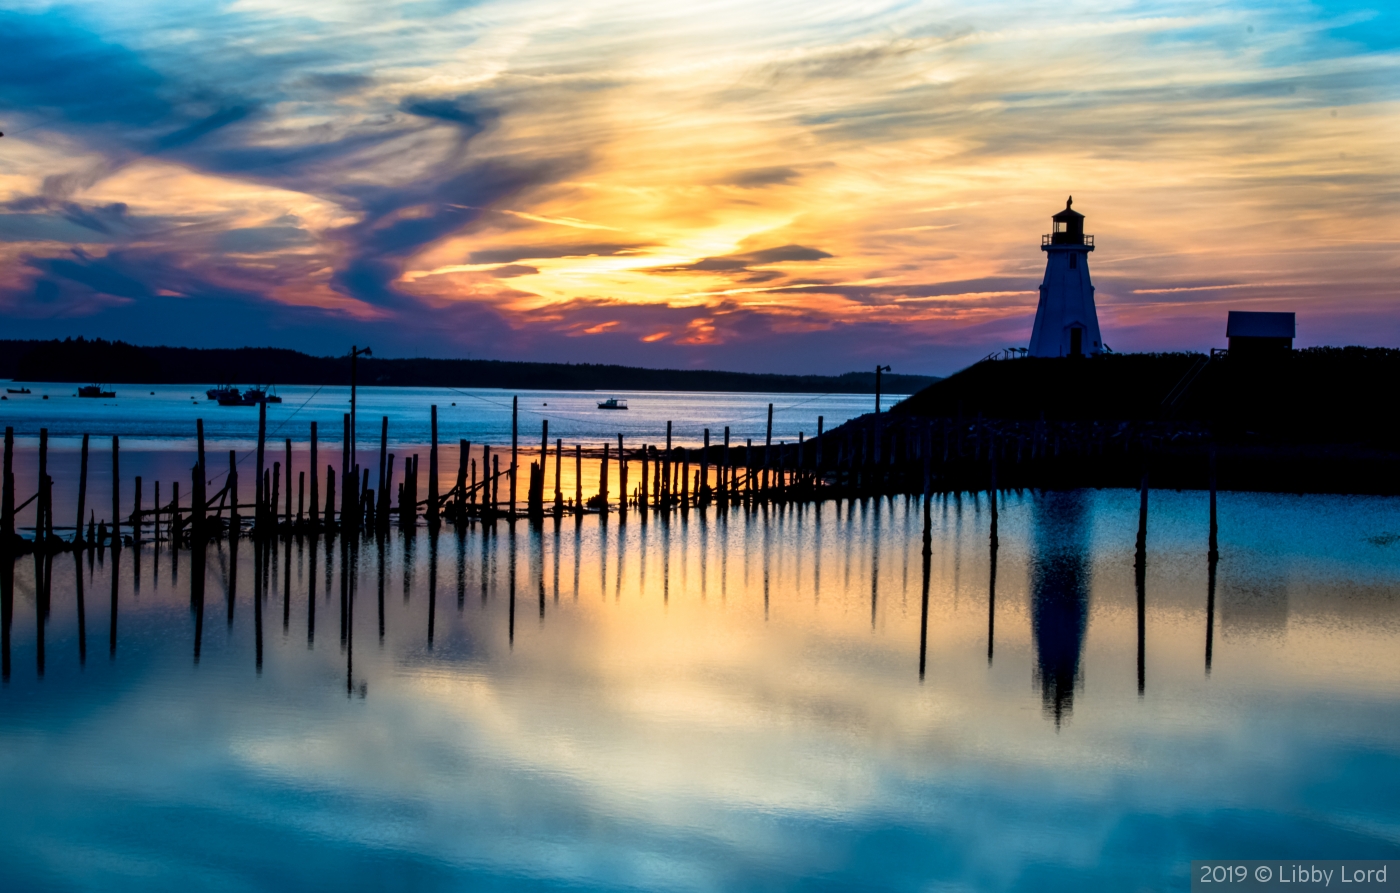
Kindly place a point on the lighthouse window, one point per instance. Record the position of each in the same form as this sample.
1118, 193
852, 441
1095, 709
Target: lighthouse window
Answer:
1074, 261
1059, 226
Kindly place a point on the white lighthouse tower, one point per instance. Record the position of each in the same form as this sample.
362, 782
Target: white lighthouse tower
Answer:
1066, 324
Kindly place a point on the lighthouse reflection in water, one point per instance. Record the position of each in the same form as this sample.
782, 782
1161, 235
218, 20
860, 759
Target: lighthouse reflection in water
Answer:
718, 700
1059, 581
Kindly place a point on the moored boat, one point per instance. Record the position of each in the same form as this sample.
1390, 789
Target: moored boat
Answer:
94, 390
17, 390
612, 403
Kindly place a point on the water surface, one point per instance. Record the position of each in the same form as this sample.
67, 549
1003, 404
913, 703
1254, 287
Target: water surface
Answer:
716, 701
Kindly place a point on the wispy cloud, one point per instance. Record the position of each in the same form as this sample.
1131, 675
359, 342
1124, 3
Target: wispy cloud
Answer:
743, 184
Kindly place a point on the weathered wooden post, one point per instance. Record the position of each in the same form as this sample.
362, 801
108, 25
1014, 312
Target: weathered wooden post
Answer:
702, 493
603, 482
488, 482
315, 491
748, 470
234, 521
767, 448
329, 514
301, 498
1142, 519
432, 507
558, 476
464, 448
260, 498
725, 474
347, 483
273, 517
7, 502
176, 525
534, 505
41, 506
544, 456
665, 490
384, 505
495, 483
136, 514
286, 470
685, 477
992, 491
383, 454
642, 490
621, 477
82, 487
514, 448
1213, 551
578, 478
116, 493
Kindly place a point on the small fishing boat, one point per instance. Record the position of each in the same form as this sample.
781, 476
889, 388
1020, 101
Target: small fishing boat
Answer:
223, 393
95, 390
612, 403
250, 397
17, 390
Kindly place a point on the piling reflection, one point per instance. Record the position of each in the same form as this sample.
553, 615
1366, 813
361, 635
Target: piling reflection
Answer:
1059, 583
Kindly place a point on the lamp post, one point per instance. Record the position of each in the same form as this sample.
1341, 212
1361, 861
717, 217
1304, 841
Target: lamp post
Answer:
878, 370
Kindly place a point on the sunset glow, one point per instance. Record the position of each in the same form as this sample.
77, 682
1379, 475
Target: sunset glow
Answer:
768, 187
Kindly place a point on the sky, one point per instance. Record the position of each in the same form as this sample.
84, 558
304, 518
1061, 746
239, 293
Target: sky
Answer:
808, 187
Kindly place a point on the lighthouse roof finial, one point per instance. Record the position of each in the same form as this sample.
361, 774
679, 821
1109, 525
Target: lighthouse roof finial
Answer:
1069, 204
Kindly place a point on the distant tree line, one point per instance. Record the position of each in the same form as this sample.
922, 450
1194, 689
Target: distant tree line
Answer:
116, 362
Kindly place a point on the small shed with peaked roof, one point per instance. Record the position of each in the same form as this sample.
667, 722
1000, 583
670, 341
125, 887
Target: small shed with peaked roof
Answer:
1252, 332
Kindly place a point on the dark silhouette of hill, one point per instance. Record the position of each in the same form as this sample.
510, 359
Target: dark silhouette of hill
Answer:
113, 362
1316, 395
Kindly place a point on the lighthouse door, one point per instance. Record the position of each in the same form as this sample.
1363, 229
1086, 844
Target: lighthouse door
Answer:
1076, 342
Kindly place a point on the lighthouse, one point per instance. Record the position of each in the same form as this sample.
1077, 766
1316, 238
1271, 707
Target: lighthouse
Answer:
1066, 324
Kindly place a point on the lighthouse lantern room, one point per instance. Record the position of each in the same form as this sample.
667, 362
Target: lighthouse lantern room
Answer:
1066, 323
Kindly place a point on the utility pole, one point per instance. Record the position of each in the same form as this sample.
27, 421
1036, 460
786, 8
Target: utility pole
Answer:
878, 370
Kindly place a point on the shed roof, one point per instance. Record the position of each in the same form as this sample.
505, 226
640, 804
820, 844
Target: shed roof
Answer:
1251, 324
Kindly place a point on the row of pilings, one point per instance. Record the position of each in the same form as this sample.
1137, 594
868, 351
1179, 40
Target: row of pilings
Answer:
873, 455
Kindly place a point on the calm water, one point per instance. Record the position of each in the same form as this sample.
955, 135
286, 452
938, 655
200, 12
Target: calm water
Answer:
716, 702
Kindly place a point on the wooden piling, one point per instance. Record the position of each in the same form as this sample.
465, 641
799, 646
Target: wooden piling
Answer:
621, 477
1213, 550
432, 507
259, 497
725, 464
234, 521
347, 483
315, 491
665, 490
384, 503
301, 497
558, 477
544, 455
464, 448
603, 482
41, 508
642, 491
767, 447
383, 454
578, 478
685, 477
7, 496
329, 515
495, 483
116, 492
287, 472
702, 493
136, 514
1142, 521
514, 447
